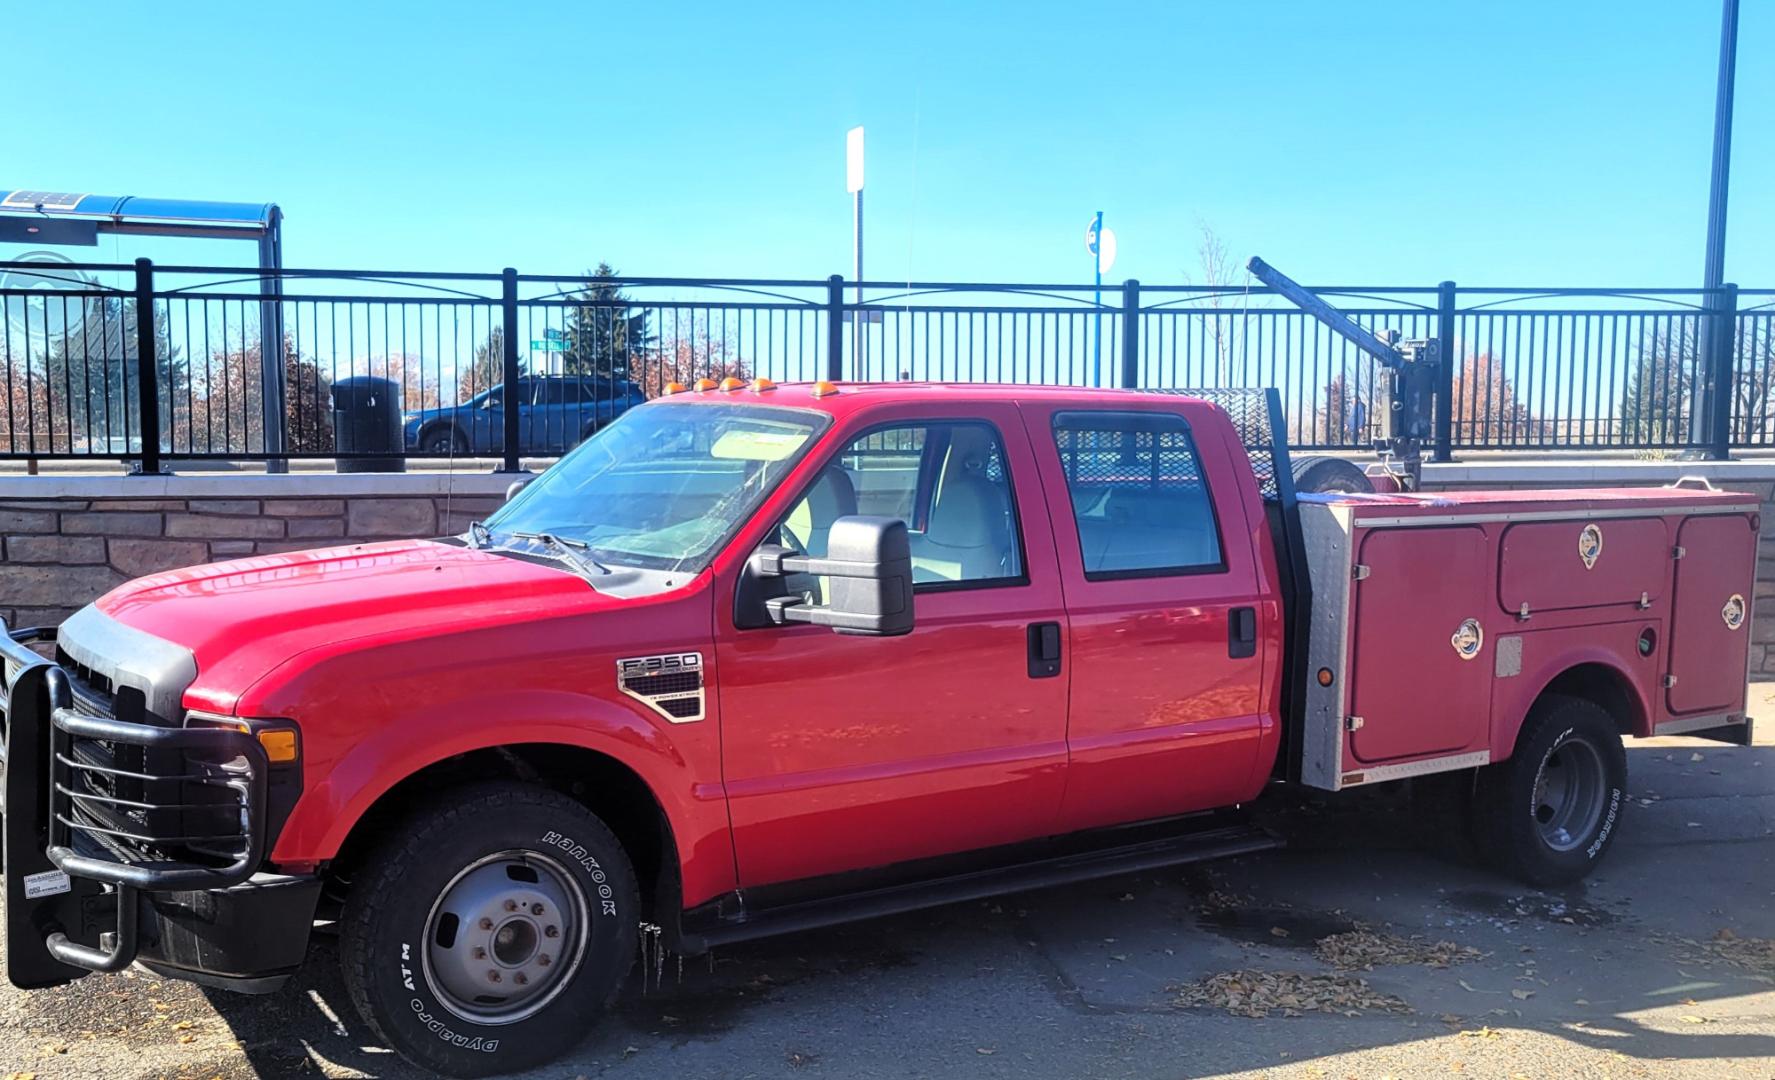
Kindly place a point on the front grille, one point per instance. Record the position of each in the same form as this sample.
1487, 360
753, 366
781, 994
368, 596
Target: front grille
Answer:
142, 801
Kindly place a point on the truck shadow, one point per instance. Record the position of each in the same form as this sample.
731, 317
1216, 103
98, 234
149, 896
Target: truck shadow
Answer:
1391, 859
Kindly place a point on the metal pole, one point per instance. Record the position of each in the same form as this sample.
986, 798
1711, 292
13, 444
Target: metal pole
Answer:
272, 368
1445, 376
147, 369
834, 328
857, 345
1097, 302
1716, 397
509, 366
1130, 333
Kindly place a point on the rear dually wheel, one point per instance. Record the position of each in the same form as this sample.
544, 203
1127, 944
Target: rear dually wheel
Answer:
1548, 814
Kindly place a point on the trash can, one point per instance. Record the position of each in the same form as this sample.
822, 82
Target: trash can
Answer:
367, 420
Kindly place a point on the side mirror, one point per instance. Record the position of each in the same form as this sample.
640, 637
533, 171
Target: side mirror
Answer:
512, 489
869, 561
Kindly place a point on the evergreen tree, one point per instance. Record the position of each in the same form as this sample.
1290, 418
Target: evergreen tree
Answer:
606, 333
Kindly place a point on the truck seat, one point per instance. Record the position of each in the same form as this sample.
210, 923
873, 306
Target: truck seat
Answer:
968, 534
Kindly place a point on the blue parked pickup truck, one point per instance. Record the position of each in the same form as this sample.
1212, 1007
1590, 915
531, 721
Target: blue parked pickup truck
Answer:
555, 413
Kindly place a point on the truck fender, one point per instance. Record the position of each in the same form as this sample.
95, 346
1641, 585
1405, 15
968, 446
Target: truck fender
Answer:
1582, 670
410, 742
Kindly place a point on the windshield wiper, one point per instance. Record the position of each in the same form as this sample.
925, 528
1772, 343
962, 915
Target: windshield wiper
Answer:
479, 535
585, 564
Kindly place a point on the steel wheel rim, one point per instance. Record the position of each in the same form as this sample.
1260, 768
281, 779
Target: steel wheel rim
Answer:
1568, 799
505, 936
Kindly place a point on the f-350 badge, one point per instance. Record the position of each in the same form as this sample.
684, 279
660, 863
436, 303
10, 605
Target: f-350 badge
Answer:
1590, 545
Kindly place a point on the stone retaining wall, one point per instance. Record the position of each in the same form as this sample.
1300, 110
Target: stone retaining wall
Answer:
80, 536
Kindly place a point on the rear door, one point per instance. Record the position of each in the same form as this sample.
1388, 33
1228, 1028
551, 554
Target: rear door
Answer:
1167, 618
1710, 627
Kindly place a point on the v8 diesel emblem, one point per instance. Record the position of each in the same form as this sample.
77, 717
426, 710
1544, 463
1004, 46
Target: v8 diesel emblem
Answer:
1590, 545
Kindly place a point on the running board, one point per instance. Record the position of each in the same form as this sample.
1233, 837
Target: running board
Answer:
1217, 843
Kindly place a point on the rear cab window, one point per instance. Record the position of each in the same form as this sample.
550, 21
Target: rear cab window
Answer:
1139, 497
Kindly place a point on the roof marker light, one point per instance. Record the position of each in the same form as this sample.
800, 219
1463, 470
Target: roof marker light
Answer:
705, 384
730, 384
759, 386
824, 387
674, 388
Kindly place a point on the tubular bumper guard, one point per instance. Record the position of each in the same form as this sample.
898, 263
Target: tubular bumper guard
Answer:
99, 809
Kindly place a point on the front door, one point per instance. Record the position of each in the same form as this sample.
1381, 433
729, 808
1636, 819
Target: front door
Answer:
844, 752
1171, 675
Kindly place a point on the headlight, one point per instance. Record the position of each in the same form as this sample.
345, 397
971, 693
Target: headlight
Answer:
410, 418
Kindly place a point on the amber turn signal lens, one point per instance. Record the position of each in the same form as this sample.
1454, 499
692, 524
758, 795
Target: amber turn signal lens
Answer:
279, 744
1324, 676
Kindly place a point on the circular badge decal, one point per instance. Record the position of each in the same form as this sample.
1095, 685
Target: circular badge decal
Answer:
1590, 545
1468, 639
1733, 612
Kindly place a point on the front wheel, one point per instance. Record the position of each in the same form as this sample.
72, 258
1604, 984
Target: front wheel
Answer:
1548, 814
486, 935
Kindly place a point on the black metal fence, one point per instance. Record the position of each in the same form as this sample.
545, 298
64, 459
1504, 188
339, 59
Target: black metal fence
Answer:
162, 364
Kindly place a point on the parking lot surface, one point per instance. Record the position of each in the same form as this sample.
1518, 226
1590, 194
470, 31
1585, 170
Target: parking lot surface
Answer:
1659, 966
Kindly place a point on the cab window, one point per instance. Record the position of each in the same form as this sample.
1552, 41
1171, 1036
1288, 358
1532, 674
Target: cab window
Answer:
947, 481
1139, 499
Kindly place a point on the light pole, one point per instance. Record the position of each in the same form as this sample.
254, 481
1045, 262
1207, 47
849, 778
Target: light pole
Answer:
853, 183
1709, 423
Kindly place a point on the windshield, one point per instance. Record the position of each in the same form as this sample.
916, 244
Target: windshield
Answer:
665, 485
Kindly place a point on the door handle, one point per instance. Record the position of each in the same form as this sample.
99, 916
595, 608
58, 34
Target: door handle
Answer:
1241, 632
1044, 650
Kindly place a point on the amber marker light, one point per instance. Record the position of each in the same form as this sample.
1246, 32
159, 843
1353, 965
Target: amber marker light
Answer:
823, 388
705, 384
760, 386
730, 384
674, 388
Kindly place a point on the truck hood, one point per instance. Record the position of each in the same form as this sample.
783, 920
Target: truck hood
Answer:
242, 618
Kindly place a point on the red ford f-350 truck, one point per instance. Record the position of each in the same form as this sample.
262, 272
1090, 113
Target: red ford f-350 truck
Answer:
757, 658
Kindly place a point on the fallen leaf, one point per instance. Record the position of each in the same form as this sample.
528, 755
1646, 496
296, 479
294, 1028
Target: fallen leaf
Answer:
1522, 995
1474, 989
1277, 931
1692, 1019
984, 1050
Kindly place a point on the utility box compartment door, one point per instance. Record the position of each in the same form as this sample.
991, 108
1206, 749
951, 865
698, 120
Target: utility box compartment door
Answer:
1414, 690
1710, 627
1555, 565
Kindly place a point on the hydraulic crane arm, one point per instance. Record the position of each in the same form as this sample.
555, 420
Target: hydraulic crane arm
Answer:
1404, 398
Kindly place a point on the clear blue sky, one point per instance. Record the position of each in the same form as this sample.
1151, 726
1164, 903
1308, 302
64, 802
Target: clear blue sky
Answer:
1400, 142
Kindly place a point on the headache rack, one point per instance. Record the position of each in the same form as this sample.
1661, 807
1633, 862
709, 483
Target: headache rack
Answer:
99, 789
